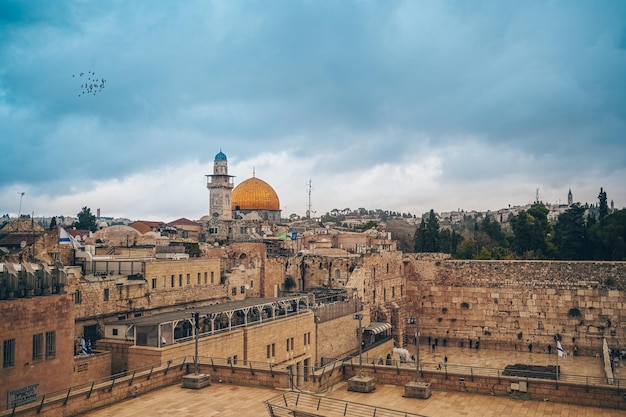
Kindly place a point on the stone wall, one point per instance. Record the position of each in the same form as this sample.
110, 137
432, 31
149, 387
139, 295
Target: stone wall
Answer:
510, 304
339, 336
259, 337
223, 345
24, 318
91, 367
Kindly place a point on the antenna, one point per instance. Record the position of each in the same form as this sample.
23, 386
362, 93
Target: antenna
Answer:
537, 195
308, 189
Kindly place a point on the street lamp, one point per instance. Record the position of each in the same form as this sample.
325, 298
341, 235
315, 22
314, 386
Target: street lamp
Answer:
196, 324
359, 317
415, 320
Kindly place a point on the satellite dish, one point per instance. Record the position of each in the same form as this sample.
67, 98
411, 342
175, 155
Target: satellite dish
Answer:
23, 244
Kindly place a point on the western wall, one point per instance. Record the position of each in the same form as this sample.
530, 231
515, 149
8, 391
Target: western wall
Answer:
512, 304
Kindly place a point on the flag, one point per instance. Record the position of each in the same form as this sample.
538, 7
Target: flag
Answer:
559, 349
64, 237
67, 239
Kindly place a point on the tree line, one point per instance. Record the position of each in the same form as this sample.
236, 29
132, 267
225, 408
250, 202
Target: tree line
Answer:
578, 234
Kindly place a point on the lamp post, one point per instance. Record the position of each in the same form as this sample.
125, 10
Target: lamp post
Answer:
196, 324
415, 320
359, 317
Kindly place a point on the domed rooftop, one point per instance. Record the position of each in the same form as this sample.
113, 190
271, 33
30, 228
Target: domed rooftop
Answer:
220, 156
254, 194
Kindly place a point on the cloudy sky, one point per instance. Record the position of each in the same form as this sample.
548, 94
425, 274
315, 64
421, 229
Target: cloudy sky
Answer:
397, 105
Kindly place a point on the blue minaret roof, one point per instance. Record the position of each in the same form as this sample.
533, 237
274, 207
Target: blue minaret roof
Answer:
220, 156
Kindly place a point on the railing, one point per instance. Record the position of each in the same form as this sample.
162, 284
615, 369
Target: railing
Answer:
321, 374
306, 404
87, 388
242, 325
471, 371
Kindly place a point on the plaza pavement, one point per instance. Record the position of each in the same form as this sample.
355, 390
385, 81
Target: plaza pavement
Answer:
240, 401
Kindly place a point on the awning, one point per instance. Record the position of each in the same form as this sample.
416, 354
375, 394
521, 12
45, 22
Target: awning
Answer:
376, 328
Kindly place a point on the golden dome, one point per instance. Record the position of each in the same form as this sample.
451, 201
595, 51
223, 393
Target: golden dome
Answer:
254, 194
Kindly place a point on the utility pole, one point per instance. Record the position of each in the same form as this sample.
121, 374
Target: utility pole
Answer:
19, 212
309, 188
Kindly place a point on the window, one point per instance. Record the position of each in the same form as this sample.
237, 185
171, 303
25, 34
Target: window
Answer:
212, 275
393, 292
251, 283
51, 344
242, 230
273, 349
78, 298
114, 332
106, 294
384, 294
188, 279
205, 277
172, 279
242, 289
180, 280
154, 284
234, 291
8, 353
287, 344
292, 345
268, 351
38, 346
198, 278
212, 230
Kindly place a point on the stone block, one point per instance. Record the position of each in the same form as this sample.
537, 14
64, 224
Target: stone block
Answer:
198, 381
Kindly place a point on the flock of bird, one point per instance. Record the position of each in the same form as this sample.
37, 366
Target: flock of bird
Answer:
93, 85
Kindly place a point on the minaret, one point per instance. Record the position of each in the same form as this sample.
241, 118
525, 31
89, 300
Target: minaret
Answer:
570, 198
220, 186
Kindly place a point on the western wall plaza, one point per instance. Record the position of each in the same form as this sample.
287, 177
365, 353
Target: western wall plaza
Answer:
303, 317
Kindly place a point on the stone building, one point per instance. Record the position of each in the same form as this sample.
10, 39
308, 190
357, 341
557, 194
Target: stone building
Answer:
37, 343
243, 213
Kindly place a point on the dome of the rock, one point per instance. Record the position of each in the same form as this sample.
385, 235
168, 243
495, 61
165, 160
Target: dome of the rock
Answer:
254, 194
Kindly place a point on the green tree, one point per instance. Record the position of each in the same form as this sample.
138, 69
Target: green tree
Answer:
530, 230
604, 208
420, 237
86, 220
53, 223
608, 237
465, 249
370, 224
449, 240
570, 234
484, 254
493, 229
431, 241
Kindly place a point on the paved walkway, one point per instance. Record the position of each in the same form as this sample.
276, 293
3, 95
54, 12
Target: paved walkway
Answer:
240, 401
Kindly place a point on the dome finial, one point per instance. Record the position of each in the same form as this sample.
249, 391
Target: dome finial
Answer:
253, 172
